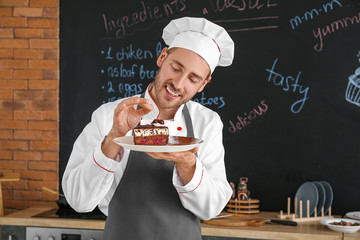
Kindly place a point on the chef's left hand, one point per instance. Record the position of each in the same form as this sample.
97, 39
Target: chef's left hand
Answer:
185, 162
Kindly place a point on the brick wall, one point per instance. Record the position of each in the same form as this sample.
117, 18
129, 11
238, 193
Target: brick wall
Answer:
29, 97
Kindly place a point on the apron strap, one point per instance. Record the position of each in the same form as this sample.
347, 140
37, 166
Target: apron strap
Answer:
188, 122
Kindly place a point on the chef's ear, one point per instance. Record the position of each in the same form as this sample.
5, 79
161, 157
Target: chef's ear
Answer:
205, 82
162, 56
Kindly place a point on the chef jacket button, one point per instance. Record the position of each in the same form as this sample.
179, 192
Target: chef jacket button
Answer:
179, 128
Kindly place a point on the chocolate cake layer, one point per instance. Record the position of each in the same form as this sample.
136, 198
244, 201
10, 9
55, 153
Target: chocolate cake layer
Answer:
151, 135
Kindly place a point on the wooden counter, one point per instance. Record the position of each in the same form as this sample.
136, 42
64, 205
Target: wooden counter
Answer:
352, 236
23, 218
310, 230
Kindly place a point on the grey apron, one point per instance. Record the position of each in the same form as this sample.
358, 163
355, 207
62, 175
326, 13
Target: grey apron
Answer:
146, 205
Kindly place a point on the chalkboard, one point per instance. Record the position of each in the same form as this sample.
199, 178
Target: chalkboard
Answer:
291, 113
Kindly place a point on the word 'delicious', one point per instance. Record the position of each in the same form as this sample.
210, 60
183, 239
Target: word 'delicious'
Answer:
288, 84
246, 119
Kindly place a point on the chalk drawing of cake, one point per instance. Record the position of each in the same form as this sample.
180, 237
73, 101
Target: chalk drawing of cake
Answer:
352, 94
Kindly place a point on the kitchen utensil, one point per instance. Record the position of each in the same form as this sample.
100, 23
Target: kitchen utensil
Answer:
283, 222
48, 190
234, 220
228, 222
61, 202
307, 191
322, 197
250, 206
353, 215
329, 196
222, 216
256, 223
293, 217
269, 220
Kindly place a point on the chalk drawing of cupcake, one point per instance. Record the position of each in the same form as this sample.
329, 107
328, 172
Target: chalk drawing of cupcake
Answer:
352, 94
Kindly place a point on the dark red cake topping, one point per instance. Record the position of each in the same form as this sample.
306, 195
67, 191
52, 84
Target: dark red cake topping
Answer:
159, 121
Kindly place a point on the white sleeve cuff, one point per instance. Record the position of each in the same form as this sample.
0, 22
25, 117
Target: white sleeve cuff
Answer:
107, 164
193, 184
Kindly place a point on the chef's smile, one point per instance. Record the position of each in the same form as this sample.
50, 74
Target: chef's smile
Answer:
171, 93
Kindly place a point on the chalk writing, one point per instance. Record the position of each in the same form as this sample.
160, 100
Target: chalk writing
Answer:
110, 89
244, 120
242, 5
118, 28
288, 84
315, 12
130, 89
146, 73
245, 27
352, 94
120, 69
123, 72
245, 24
111, 99
122, 90
129, 53
335, 26
217, 101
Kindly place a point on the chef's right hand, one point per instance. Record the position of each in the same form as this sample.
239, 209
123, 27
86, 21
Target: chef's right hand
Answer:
126, 117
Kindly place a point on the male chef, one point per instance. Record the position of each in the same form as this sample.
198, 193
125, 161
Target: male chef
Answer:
156, 195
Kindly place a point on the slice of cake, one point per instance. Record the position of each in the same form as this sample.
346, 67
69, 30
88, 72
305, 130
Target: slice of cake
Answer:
154, 134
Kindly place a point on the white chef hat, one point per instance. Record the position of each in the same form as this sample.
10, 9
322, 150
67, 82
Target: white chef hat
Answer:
203, 37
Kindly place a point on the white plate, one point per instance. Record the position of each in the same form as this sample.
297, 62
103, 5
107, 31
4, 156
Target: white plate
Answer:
329, 196
307, 191
338, 228
176, 144
354, 215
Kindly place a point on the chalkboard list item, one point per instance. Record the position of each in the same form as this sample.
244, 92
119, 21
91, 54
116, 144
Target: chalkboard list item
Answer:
299, 218
250, 206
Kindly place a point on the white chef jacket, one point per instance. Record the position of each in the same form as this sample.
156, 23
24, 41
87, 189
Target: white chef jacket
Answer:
90, 178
